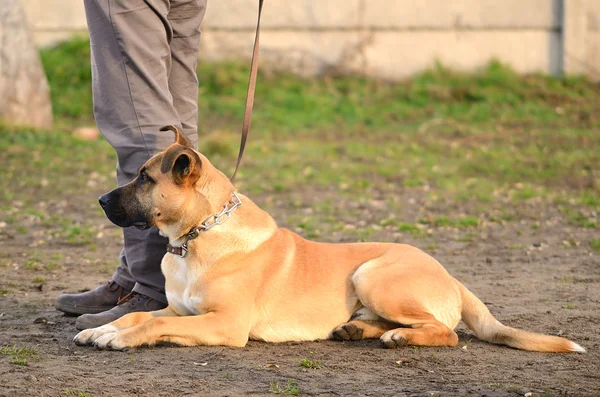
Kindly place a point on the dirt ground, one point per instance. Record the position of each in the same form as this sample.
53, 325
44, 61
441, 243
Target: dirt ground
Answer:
535, 272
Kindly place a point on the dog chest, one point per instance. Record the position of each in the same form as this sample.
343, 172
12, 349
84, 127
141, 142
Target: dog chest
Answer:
181, 290
185, 304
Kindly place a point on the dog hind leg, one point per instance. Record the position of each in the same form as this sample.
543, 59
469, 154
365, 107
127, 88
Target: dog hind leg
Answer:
420, 301
428, 334
359, 329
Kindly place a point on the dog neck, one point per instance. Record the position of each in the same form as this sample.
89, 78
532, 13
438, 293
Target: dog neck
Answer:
189, 227
239, 233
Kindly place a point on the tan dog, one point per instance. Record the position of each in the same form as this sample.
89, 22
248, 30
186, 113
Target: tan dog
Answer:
245, 278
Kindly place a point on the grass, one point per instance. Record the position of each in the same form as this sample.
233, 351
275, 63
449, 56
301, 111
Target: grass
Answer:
310, 364
452, 100
444, 221
18, 355
290, 389
32, 264
76, 393
490, 138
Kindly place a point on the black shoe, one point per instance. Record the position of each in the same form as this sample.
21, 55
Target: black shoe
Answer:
133, 302
98, 300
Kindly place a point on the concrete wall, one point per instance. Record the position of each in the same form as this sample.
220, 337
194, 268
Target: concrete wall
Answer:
385, 38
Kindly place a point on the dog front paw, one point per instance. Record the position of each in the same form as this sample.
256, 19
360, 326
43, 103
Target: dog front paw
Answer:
110, 341
89, 336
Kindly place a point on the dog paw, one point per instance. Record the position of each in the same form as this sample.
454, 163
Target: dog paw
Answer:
110, 341
347, 331
89, 336
393, 339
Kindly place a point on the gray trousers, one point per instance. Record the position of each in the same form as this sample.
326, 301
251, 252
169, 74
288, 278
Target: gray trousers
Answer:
144, 55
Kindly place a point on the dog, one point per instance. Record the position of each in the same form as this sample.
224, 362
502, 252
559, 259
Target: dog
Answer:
233, 275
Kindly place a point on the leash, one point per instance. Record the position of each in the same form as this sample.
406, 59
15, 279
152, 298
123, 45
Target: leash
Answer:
250, 95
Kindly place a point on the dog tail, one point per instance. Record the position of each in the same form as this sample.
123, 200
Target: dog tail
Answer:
485, 326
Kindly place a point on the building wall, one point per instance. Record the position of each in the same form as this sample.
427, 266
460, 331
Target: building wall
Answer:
386, 38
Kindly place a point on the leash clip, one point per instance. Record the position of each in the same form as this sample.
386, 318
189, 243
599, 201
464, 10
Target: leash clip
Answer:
184, 250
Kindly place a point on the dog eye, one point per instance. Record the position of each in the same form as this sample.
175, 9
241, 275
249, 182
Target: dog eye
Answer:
144, 177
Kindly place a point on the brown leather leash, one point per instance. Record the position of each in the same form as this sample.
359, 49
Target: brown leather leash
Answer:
250, 95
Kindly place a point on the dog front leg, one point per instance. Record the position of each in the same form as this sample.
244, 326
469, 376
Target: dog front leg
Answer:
207, 329
89, 336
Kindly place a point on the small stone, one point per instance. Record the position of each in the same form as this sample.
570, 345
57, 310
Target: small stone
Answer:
31, 378
86, 133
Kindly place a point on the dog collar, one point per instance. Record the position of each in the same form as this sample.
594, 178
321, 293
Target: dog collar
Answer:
212, 220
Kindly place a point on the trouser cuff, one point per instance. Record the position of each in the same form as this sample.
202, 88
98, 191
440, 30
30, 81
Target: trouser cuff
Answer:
151, 293
123, 282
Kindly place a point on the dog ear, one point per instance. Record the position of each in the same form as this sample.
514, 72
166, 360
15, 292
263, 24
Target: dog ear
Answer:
179, 137
184, 164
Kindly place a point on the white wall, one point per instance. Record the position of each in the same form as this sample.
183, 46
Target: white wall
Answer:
385, 38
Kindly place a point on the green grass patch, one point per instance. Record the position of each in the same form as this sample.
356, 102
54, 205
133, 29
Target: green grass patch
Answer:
595, 244
450, 100
18, 355
444, 221
492, 137
32, 264
310, 364
75, 393
290, 389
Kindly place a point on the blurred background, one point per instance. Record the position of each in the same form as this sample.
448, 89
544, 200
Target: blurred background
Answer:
391, 39
466, 103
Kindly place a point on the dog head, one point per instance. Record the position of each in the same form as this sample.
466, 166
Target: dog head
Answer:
164, 190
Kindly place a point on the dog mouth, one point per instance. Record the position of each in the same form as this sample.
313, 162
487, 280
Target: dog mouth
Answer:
141, 225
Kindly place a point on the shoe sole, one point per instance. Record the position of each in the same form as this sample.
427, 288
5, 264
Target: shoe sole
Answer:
83, 324
79, 310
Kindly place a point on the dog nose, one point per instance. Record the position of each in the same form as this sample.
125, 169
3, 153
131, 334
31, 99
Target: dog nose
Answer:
104, 200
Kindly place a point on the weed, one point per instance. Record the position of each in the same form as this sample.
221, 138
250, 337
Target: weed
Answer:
569, 305
19, 355
21, 229
32, 264
465, 238
431, 247
444, 221
311, 364
76, 393
595, 244
407, 227
291, 389
590, 224
38, 280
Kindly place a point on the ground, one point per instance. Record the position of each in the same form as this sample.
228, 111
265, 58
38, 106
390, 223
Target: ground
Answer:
495, 175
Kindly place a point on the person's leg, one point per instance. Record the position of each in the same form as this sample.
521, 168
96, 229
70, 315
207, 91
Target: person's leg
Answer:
185, 17
132, 53
179, 23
